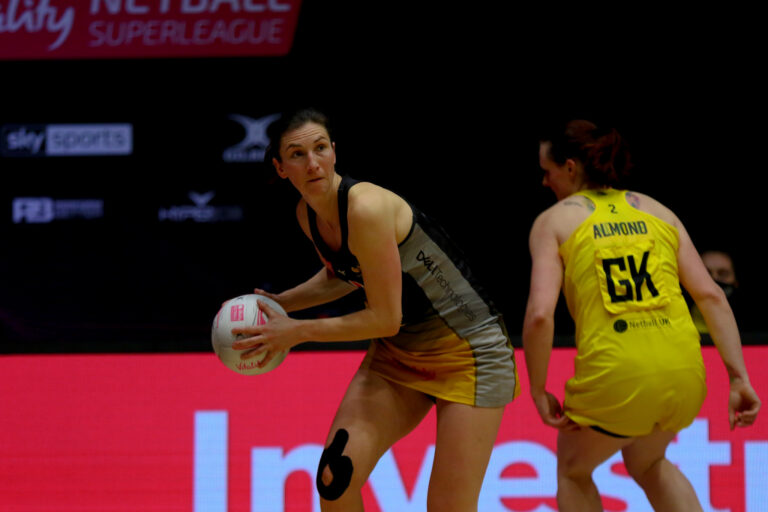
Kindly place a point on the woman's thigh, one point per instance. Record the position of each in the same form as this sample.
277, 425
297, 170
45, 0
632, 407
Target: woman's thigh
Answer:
465, 439
372, 416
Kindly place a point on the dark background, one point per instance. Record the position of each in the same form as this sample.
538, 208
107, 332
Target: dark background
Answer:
441, 104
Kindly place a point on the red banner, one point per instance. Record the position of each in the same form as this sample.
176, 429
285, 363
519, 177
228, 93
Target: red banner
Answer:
182, 432
54, 29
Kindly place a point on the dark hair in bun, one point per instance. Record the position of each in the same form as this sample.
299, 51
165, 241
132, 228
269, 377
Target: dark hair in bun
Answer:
604, 154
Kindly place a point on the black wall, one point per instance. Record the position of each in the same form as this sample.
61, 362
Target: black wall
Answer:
441, 106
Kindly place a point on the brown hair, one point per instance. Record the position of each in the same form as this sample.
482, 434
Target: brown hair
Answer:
604, 154
289, 121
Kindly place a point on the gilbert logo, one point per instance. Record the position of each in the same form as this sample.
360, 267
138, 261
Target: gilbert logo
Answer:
254, 144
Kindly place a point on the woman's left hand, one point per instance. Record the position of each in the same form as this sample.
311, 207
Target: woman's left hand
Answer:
743, 404
279, 334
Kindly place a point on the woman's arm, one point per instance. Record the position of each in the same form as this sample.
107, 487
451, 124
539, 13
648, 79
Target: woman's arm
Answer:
373, 240
321, 288
713, 304
539, 324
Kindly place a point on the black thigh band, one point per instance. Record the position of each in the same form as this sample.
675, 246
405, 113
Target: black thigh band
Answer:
339, 465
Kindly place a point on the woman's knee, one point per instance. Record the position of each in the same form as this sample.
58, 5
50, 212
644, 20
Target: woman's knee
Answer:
573, 467
640, 472
580, 451
574, 474
647, 455
336, 471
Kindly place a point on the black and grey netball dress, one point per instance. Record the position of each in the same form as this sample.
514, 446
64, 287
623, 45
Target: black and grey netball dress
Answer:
452, 343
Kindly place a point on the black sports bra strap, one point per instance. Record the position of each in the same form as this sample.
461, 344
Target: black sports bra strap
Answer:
344, 187
312, 220
328, 254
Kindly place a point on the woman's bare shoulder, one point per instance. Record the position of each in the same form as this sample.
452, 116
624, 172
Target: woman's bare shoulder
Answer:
367, 198
648, 204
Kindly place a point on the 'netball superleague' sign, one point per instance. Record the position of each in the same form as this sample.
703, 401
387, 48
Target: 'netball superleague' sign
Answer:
184, 433
35, 29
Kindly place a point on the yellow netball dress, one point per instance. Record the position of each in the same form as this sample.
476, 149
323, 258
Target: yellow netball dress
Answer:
638, 359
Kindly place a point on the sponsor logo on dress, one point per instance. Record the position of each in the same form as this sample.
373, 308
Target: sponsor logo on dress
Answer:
646, 323
434, 269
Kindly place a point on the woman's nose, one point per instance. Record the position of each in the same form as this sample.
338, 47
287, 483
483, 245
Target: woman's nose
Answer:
312, 161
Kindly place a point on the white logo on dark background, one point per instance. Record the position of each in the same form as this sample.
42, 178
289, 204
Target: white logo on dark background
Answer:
41, 210
25, 140
254, 144
40, 16
201, 199
67, 140
201, 211
89, 139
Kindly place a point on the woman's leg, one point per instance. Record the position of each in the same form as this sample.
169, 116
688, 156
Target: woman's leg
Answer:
465, 438
373, 415
579, 452
667, 489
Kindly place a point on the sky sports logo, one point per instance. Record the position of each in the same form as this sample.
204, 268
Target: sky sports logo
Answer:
66, 140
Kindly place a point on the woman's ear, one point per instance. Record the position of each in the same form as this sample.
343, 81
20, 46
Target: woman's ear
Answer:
571, 165
279, 168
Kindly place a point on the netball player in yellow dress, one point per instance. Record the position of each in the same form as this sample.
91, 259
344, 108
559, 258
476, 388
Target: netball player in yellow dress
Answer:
619, 258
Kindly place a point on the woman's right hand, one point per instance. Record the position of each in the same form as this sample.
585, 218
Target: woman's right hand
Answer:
551, 411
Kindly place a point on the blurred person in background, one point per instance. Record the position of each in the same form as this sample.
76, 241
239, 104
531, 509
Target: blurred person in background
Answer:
720, 265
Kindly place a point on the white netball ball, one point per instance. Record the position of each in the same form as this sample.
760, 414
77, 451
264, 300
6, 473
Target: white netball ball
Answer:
242, 312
